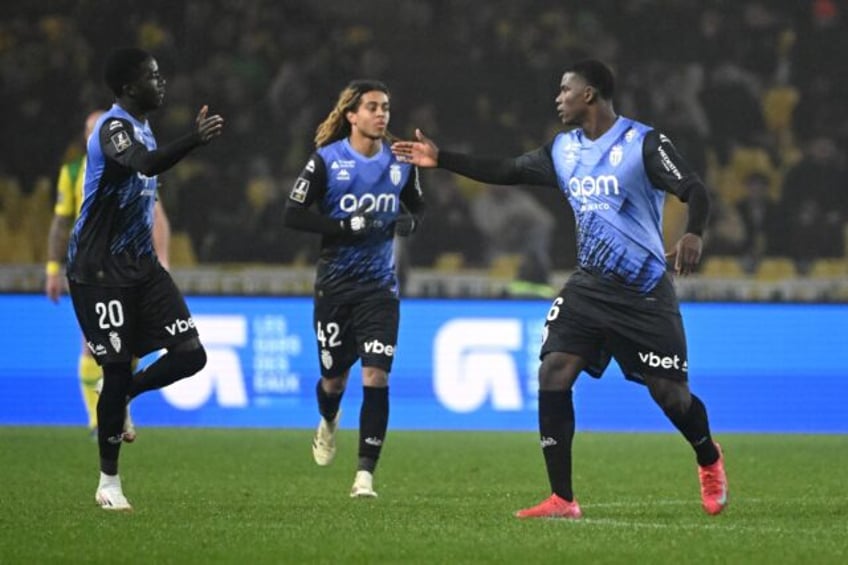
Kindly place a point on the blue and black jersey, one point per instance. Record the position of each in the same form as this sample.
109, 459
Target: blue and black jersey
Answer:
112, 240
338, 181
616, 186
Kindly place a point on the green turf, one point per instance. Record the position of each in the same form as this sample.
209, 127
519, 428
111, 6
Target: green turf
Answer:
255, 496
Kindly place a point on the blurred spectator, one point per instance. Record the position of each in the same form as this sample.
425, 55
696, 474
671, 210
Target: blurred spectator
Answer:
762, 222
814, 202
447, 226
513, 223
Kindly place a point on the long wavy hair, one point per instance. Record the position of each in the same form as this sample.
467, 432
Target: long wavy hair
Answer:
335, 126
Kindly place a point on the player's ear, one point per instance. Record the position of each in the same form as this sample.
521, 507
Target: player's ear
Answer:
590, 94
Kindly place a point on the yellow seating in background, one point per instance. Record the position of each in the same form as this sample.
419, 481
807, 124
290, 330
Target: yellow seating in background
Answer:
721, 267
181, 250
448, 262
505, 266
775, 269
829, 268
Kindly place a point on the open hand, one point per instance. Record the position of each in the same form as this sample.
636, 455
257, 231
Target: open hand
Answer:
208, 127
686, 254
422, 153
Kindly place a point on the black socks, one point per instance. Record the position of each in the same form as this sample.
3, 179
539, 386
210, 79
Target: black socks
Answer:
373, 421
556, 429
111, 410
328, 404
695, 427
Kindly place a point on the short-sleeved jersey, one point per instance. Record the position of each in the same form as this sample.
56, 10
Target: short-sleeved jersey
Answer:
616, 186
112, 240
340, 181
69, 188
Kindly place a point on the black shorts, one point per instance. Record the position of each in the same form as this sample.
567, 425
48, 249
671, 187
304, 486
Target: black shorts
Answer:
598, 320
364, 330
120, 323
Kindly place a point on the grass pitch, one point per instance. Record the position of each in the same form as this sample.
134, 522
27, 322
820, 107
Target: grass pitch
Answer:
255, 496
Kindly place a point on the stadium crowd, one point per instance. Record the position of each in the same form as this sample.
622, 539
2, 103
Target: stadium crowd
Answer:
751, 91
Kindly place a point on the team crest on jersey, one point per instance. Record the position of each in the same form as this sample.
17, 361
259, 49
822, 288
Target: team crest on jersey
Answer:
631, 133
115, 340
394, 174
615, 155
326, 359
300, 190
121, 141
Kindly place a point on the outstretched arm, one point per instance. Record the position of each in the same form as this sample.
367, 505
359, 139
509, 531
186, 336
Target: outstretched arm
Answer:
119, 143
535, 167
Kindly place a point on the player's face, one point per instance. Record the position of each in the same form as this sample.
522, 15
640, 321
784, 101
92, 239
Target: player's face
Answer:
149, 87
371, 119
572, 101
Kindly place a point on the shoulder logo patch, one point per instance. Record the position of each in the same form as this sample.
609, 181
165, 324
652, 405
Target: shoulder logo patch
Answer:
121, 141
300, 190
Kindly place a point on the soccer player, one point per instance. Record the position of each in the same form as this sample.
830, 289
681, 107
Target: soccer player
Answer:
125, 301
620, 302
68, 202
355, 193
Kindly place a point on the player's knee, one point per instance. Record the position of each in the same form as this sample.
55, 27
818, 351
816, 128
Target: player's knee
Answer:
374, 377
673, 397
557, 372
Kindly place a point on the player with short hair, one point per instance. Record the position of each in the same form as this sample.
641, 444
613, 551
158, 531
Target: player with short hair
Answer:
357, 195
125, 301
69, 194
620, 302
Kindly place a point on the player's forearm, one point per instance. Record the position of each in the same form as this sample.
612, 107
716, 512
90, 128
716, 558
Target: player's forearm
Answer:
57, 239
699, 209
161, 234
151, 163
492, 170
304, 219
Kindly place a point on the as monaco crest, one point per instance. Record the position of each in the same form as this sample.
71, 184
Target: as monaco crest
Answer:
115, 340
326, 359
615, 155
394, 174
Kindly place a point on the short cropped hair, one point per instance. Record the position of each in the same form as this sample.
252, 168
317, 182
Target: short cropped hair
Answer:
123, 67
597, 74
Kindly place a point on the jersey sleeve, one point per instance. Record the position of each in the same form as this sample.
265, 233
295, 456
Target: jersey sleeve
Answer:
666, 168
411, 195
537, 166
311, 183
118, 142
